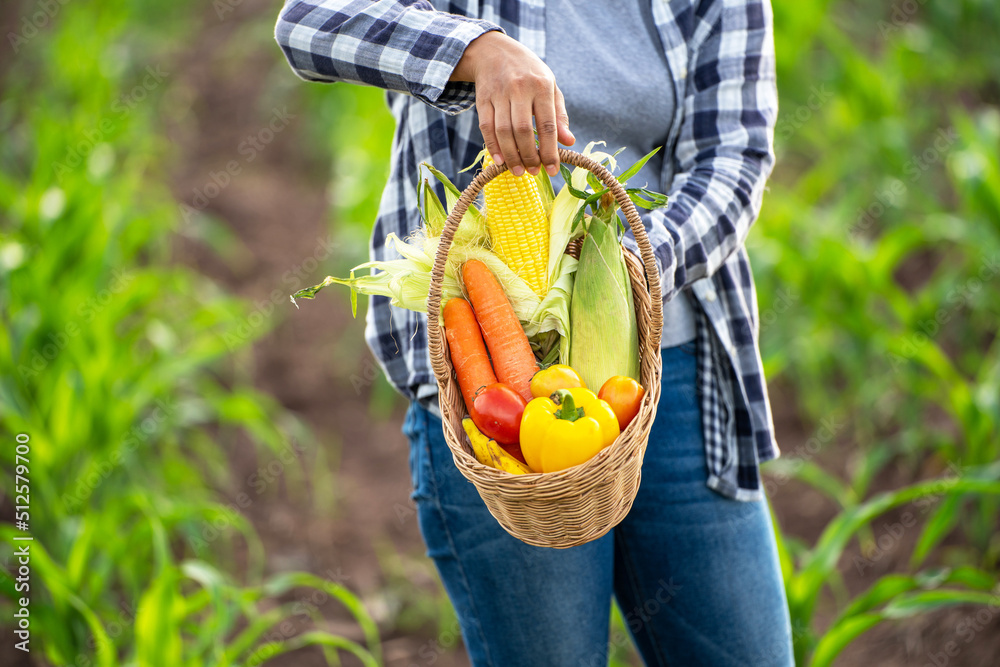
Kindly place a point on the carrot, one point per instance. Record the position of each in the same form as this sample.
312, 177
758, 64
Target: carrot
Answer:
513, 359
468, 353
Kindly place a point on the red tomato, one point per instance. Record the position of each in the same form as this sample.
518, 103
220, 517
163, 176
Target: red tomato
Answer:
624, 395
497, 412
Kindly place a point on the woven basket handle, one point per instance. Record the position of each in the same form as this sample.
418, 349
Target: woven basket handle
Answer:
469, 196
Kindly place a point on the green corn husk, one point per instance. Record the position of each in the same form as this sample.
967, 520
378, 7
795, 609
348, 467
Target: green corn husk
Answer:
406, 280
605, 338
548, 322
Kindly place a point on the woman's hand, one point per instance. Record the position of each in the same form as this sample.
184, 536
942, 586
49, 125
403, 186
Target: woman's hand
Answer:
512, 85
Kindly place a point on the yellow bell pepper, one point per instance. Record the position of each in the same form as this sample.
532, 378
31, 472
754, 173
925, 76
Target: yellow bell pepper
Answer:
557, 376
566, 429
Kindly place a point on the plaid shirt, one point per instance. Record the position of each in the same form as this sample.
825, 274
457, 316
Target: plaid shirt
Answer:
720, 147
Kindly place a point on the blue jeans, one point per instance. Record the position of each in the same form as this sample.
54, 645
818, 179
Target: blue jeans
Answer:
696, 575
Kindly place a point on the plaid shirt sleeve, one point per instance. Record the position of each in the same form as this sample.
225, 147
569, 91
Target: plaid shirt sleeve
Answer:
405, 46
724, 149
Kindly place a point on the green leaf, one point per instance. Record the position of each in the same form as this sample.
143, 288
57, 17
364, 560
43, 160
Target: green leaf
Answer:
647, 199
634, 169
317, 638
592, 181
354, 299
282, 583
545, 189
941, 523
157, 635
924, 601
902, 599
809, 472
824, 557
452, 193
833, 642
214, 627
310, 292
567, 177
433, 211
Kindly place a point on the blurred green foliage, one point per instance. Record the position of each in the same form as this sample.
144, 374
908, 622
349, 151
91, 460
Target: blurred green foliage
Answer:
877, 261
116, 366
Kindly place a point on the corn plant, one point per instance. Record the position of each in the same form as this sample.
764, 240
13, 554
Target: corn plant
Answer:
808, 572
878, 261
115, 363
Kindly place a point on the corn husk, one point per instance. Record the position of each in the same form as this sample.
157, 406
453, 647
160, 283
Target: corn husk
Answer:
605, 338
548, 320
406, 279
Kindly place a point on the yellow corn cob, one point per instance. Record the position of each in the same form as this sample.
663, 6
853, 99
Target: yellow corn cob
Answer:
518, 226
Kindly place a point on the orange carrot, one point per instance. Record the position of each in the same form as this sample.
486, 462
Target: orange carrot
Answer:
468, 353
513, 359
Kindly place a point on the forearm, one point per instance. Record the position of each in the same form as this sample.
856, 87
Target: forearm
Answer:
407, 47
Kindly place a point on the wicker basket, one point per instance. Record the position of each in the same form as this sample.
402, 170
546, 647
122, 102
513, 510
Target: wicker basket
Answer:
574, 506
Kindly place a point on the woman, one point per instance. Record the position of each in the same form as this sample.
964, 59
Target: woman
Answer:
693, 566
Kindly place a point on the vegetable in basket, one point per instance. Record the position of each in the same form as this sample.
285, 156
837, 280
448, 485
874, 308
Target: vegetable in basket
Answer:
557, 376
513, 360
605, 339
499, 409
490, 453
602, 313
468, 351
544, 315
518, 225
624, 395
566, 430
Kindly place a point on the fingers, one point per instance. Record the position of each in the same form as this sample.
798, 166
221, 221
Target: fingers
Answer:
505, 139
565, 137
516, 94
524, 135
545, 123
487, 125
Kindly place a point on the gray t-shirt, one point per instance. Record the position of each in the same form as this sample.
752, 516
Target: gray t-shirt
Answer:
609, 62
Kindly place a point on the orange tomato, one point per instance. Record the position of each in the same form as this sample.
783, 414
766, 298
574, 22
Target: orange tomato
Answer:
624, 395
